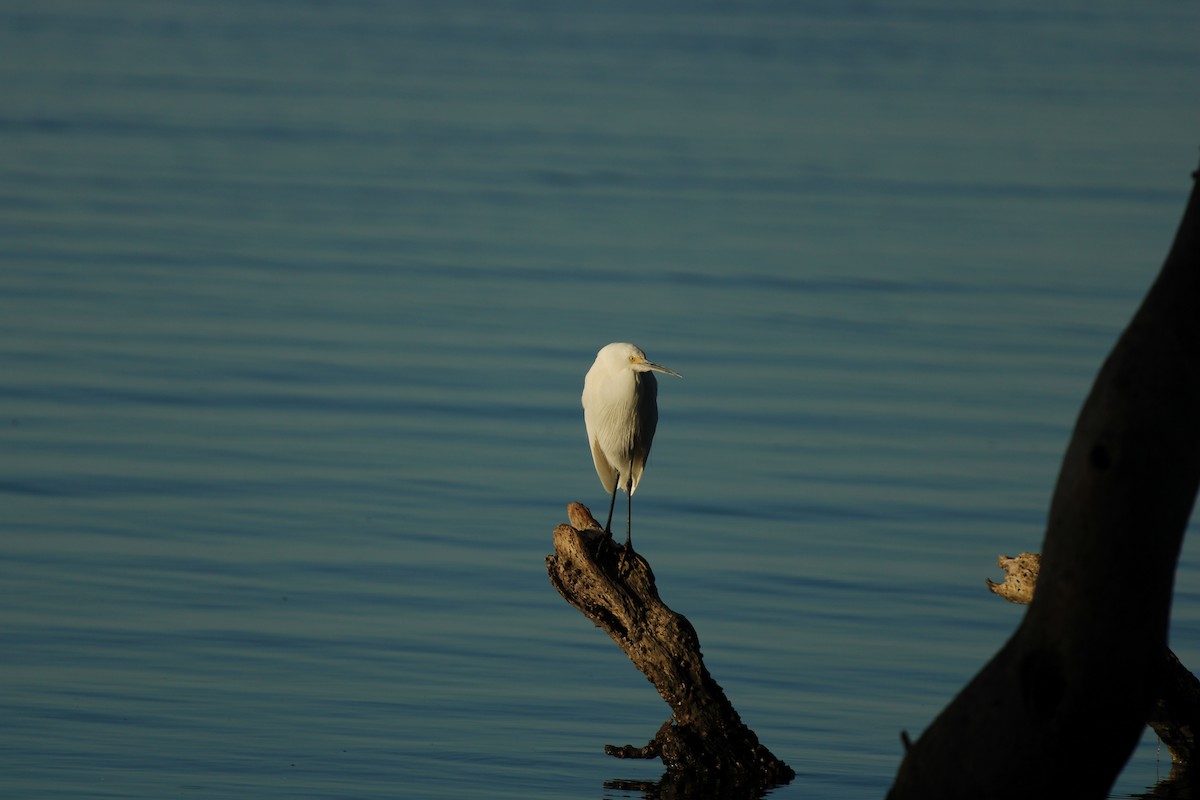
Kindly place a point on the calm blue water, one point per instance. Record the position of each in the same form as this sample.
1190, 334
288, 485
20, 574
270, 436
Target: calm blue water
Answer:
295, 306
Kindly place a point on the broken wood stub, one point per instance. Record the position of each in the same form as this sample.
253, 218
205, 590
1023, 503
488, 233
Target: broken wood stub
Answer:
704, 735
1020, 578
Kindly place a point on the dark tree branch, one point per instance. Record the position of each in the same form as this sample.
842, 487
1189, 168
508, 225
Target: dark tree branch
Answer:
1175, 718
1066, 698
705, 738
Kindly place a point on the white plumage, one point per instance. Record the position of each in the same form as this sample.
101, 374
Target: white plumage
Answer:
620, 410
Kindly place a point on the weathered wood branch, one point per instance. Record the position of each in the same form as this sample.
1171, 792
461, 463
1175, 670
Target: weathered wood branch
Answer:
704, 739
1175, 718
1020, 578
1065, 699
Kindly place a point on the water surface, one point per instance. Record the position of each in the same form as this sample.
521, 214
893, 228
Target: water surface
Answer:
295, 307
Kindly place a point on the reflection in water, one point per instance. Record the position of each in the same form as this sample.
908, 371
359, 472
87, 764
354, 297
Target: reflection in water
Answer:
1180, 784
688, 787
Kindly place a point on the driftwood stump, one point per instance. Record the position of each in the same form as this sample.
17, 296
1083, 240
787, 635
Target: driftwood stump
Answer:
704, 742
1064, 701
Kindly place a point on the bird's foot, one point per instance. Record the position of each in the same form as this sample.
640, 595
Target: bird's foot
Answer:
602, 544
625, 560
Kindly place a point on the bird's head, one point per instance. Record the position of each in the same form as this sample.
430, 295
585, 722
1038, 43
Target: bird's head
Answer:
622, 355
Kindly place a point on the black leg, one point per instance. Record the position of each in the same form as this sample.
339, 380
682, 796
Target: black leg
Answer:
629, 522
629, 511
611, 504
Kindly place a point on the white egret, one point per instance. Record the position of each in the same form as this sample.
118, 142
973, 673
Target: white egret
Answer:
620, 409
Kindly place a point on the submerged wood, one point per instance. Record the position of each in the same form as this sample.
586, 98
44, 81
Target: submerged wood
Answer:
704, 738
1064, 701
1175, 718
